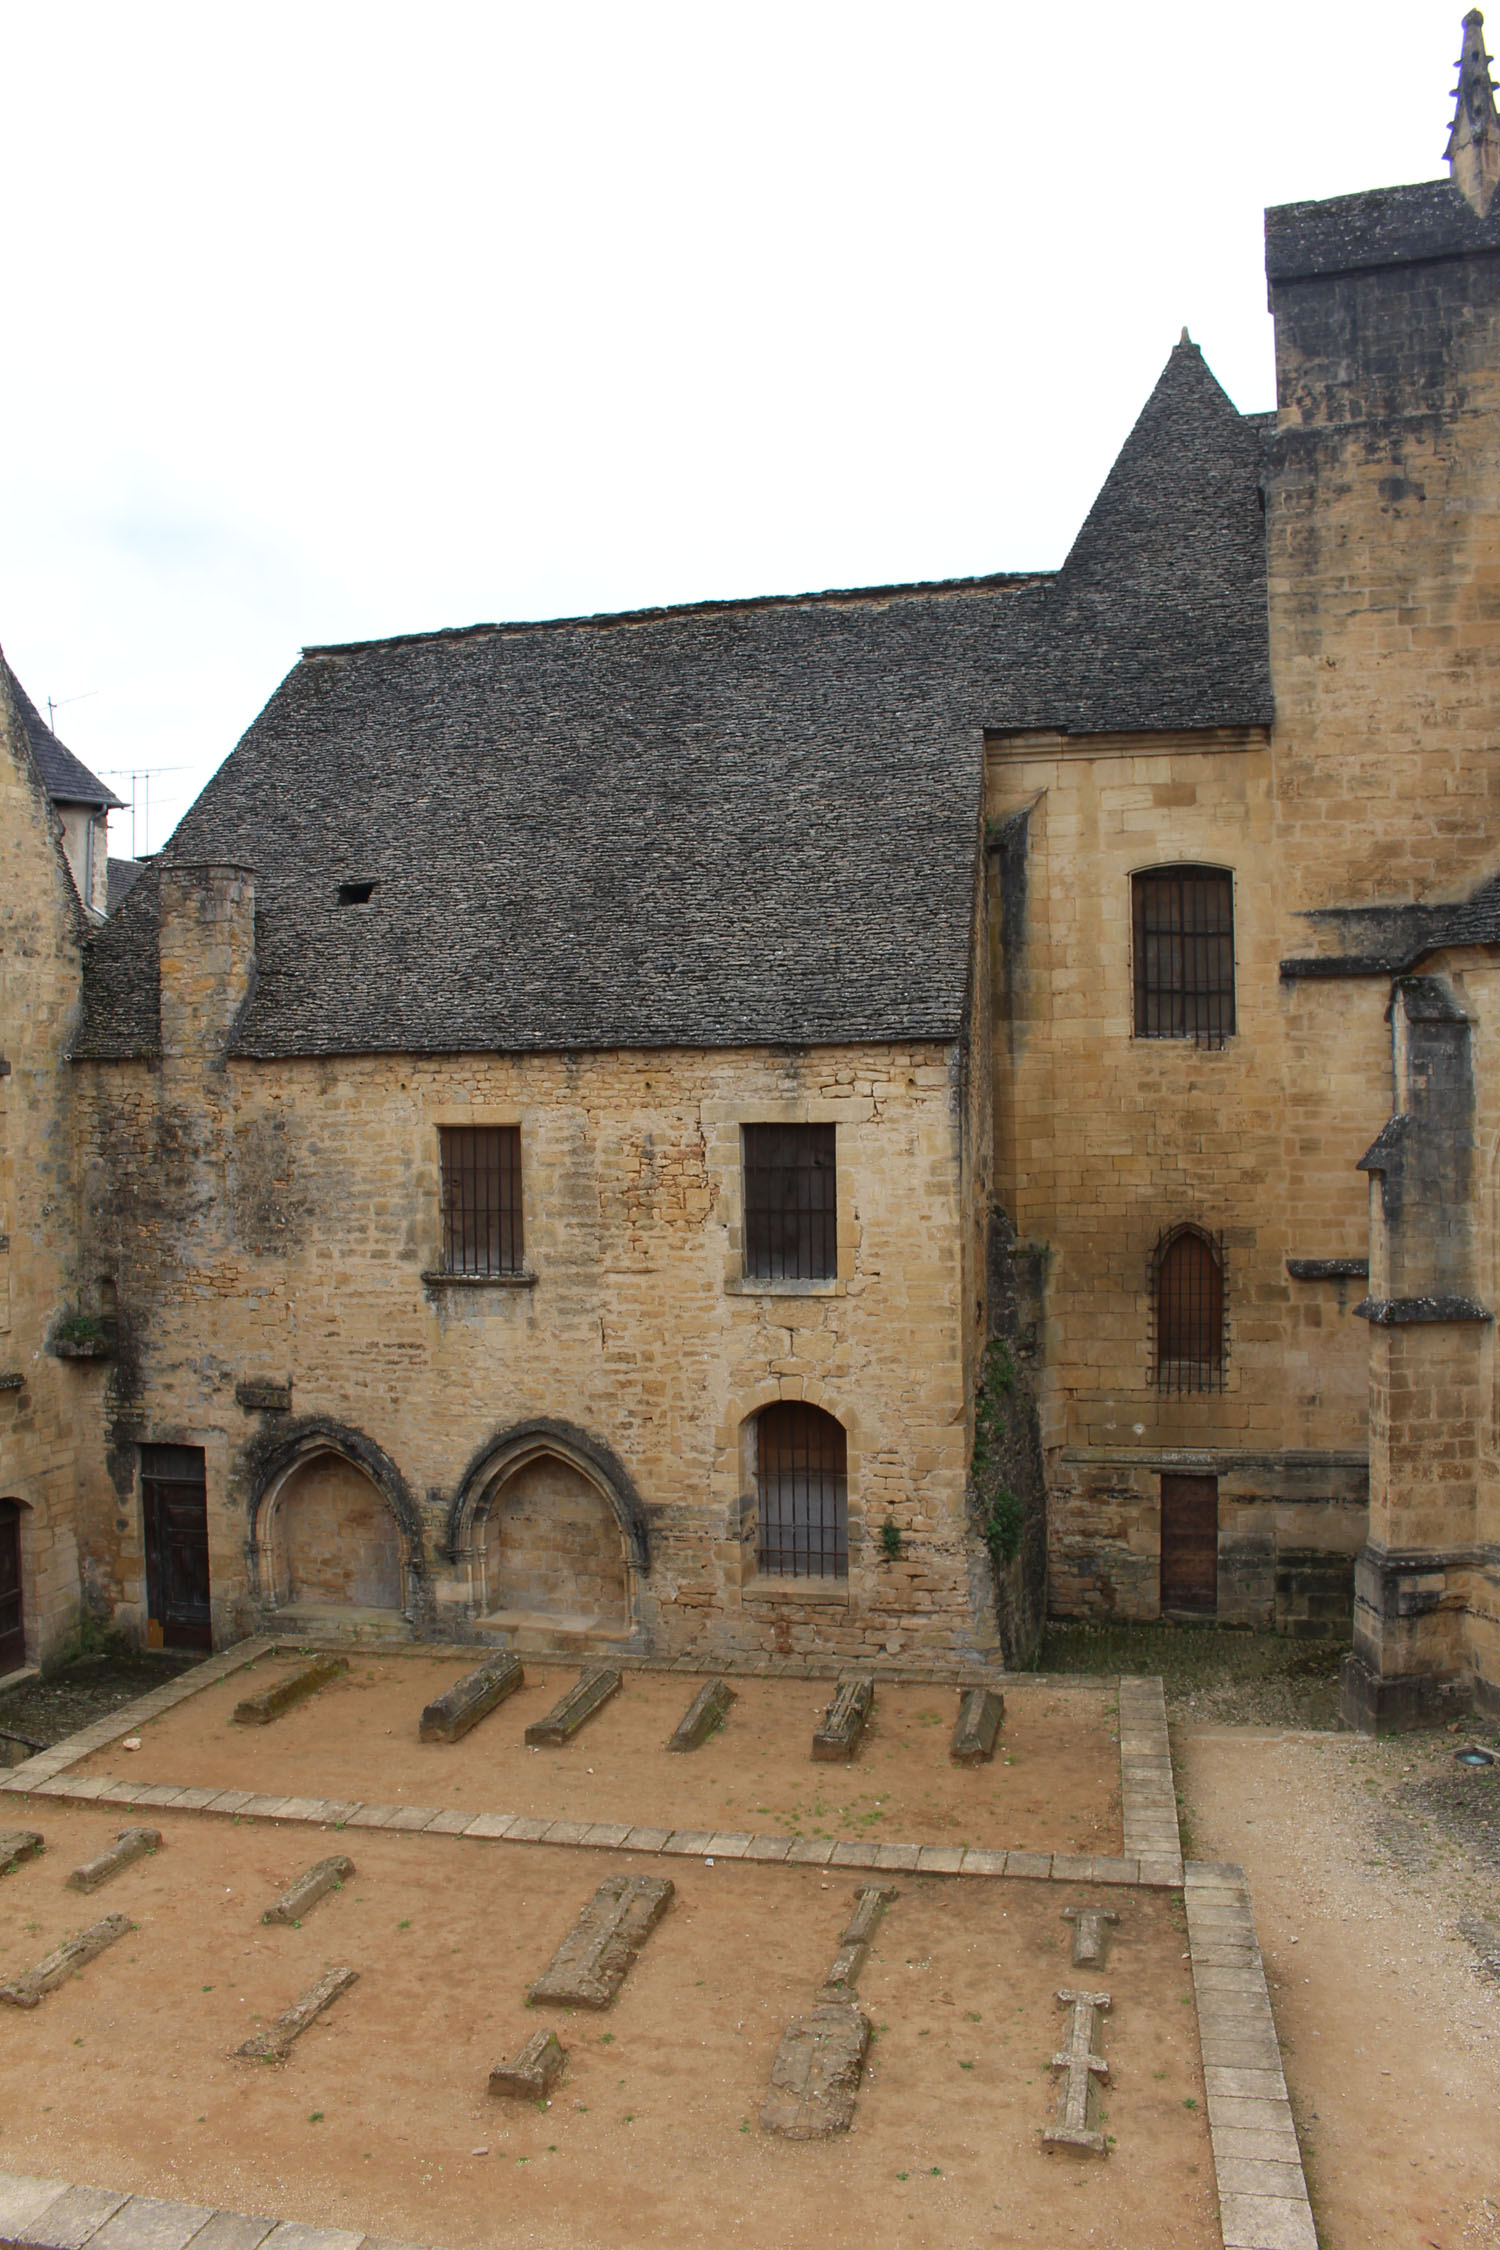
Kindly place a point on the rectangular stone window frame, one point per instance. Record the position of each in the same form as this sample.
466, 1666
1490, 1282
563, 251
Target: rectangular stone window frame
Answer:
436, 1273
723, 1124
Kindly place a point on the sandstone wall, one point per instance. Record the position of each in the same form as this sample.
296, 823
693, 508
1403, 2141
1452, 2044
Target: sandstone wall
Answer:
49, 1407
278, 1225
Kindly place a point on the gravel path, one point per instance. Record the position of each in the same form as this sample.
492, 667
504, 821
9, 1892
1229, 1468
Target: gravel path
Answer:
1373, 1872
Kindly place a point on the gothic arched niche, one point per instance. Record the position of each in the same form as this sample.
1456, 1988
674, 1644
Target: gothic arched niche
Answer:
333, 1542
552, 1547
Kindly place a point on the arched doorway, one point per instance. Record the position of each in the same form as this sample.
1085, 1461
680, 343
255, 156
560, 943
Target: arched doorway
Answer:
329, 1541
12, 1614
552, 1549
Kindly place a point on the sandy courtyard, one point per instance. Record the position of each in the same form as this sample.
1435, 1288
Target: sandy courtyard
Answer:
1054, 1784
125, 2075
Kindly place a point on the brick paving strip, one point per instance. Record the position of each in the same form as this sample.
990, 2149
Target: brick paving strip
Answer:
1148, 1794
1263, 2201
44, 2214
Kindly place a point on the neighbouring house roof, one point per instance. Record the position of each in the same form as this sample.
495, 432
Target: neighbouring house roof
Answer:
742, 823
123, 874
67, 779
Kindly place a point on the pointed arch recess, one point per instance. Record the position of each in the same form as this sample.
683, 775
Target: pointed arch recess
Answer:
273, 1462
501, 1456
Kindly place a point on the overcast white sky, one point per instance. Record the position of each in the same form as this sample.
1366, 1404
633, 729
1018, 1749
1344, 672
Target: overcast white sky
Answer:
327, 321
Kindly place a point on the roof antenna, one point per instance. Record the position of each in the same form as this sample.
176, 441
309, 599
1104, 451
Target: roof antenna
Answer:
1473, 150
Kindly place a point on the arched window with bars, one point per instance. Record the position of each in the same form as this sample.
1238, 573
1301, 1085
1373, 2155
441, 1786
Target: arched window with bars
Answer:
1188, 1309
1183, 953
802, 1486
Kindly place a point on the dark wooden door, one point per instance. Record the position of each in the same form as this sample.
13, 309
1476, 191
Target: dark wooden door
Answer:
12, 1626
1190, 1545
175, 1496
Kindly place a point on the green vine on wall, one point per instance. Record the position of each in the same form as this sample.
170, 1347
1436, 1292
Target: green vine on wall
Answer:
1000, 1510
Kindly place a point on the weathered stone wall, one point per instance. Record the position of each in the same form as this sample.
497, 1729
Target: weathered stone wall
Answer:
279, 1224
1106, 1140
49, 1408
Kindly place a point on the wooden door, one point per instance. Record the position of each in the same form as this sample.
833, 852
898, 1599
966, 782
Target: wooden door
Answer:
12, 1627
1190, 1545
175, 1496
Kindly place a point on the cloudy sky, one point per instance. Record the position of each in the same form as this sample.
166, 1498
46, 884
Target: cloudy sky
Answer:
328, 321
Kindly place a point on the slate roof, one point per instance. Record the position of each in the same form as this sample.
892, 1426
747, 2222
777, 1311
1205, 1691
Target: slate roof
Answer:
1387, 941
1383, 227
123, 875
68, 780
736, 824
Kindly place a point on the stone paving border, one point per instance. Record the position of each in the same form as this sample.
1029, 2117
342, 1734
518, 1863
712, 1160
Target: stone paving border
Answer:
1148, 1798
1263, 2202
1148, 1793
47, 2214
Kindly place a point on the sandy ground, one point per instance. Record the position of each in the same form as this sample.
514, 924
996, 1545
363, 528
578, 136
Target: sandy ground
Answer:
381, 2119
1052, 1786
1390, 2025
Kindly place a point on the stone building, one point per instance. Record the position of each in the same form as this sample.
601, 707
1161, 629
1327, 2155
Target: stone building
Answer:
817, 1125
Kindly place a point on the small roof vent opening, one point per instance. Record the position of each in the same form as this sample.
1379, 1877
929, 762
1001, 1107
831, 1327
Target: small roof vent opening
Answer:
356, 894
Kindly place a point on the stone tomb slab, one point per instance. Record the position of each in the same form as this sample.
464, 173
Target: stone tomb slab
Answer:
1091, 1928
130, 1845
760, 1937
845, 1719
815, 2077
65, 1961
17, 1845
275, 2043
302, 1896
1077, 2125
589, 1693
981, 1714
535, 2071
599, 1951
450, 1715
703, 1716
283, 1695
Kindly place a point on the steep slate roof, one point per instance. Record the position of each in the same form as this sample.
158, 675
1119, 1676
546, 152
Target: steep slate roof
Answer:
67, 778
736, 824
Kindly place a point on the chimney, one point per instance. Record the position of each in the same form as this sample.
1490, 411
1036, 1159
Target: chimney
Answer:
207, 947
1473, 150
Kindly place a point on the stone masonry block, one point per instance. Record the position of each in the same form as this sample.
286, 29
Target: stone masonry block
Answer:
259, 1710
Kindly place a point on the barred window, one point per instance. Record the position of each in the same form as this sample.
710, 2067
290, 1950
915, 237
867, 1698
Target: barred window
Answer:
1189, 1308
803, 1490
481, 1198
1184, 954
791, 1203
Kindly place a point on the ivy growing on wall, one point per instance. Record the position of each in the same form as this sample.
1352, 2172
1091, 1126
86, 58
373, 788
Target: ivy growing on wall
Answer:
999, 1508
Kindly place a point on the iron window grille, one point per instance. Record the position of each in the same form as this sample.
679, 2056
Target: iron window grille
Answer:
1189, 1343
481, 1199
1183, 949
803, 1491
791, 1203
